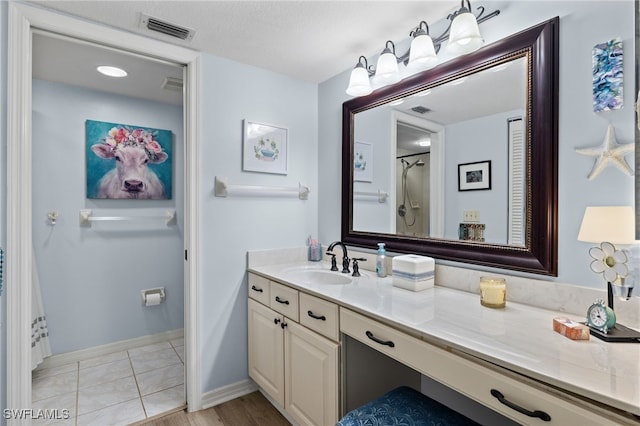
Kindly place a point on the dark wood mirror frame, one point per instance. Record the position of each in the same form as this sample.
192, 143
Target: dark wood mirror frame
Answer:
540, 253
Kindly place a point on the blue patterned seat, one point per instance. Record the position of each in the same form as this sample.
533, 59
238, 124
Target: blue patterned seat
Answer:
404, 406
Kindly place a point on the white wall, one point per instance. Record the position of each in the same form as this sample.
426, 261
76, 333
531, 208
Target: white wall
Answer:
91, 277
231, 226
582, 25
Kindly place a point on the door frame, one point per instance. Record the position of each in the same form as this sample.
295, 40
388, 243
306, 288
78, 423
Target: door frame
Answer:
23, 19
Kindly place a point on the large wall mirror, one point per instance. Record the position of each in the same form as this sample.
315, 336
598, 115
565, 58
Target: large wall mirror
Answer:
465, 155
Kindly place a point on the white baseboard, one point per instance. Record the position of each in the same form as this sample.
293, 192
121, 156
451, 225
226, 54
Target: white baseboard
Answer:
122, 345
227, 393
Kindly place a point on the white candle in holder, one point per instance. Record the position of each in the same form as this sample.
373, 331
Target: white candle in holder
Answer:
493, 292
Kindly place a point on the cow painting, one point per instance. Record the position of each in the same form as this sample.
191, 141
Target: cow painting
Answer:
125, 163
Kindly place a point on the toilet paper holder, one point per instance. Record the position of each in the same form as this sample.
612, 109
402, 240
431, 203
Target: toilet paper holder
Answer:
152, 291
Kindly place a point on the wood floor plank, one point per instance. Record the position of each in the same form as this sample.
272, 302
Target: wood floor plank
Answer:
248, 410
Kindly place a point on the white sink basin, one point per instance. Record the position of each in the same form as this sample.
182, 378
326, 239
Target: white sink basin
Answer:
317, 276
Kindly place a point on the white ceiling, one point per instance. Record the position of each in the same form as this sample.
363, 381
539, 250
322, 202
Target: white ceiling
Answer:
73, 62
308, 40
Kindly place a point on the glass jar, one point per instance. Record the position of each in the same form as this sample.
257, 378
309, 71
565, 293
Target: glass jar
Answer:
493, 292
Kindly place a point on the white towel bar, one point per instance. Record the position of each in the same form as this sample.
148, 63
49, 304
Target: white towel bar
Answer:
381, 195
86, 217
222, 189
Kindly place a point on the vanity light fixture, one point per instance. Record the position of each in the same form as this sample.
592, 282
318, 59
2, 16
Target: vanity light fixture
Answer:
424, 142
387, 71
359, 84
111, 71
463, 35
422, 54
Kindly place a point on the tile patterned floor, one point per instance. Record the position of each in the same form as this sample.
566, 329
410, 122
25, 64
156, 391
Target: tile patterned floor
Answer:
114, 389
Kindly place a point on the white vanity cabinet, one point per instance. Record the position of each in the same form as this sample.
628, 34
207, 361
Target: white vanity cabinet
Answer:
538, 405
296, 366
444, 336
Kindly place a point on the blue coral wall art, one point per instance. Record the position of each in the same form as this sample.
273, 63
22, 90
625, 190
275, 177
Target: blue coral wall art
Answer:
607, 76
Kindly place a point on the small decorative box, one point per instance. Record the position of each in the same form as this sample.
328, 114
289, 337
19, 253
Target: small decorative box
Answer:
413, 272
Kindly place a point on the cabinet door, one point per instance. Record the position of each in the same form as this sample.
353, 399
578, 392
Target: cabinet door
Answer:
266, 363
311, 376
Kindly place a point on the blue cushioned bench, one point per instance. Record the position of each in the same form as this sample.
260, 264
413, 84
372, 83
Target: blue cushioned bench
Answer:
404, 406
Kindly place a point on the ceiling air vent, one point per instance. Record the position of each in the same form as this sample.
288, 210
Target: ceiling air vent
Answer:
165, 27
420, 109
172, 83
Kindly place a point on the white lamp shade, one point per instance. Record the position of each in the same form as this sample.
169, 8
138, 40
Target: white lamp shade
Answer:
422, 54
464, 36
613, 224
387, 71
359, 84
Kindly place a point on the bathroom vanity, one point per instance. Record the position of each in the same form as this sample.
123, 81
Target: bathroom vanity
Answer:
509, 360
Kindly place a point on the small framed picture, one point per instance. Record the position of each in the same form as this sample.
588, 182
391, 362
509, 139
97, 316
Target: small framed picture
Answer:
363, 162
264, 148
474, 176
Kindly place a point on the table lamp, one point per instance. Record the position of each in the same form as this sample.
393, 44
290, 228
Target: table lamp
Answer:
610, 226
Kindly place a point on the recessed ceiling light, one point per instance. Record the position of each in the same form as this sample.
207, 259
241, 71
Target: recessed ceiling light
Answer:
457, 81
500, 67
425, 142
111, 71
423, 93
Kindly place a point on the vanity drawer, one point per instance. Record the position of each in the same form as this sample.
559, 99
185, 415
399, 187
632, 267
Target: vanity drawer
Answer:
319, 315
284, 299
469, 378
259, 288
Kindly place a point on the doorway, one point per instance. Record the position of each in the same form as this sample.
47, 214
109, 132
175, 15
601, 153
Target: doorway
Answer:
24, 20
111, 354
418, 156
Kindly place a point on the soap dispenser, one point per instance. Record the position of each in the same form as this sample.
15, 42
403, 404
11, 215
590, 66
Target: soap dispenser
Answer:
381, 268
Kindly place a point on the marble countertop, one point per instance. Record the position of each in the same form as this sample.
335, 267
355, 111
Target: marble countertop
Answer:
518, 337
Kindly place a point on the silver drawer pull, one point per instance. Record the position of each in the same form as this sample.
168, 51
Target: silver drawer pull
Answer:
537, 413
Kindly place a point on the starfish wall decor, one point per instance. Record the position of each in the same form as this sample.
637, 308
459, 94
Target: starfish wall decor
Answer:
609, 153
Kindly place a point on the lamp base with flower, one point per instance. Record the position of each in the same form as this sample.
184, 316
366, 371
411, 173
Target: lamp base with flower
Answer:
612, 264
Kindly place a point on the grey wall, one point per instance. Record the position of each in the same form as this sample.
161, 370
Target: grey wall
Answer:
582, 25
231, 226
91, 277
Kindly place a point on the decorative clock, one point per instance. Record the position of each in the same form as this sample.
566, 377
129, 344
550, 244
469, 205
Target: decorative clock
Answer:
601, 317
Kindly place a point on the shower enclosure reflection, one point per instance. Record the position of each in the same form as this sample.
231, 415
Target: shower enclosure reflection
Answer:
412, 180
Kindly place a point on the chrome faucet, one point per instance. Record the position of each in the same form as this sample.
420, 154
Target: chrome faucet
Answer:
345, 256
